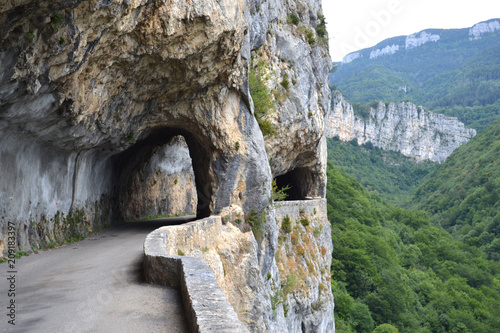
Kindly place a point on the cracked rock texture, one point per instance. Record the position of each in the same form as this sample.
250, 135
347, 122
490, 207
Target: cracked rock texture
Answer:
94, 93
404, 127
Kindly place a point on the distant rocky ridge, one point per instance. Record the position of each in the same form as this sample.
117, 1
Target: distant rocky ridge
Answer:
415, 40
402, 127
389, 49
483, 28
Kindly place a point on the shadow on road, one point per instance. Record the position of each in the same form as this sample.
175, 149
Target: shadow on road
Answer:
135, 272
145, 225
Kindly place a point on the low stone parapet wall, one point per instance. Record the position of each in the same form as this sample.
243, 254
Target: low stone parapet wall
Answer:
206, 306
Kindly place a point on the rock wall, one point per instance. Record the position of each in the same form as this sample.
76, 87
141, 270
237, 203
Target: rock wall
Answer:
295, 68
177, 256
402, 127
92, 92
90, 89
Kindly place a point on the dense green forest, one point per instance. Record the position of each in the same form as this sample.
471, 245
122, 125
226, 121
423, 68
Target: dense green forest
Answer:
463, 194
434, 267
391, 266
389, 174
455, 76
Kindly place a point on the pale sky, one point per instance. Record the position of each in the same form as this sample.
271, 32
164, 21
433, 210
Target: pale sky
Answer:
358, 24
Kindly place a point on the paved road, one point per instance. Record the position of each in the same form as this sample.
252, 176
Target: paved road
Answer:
95, 285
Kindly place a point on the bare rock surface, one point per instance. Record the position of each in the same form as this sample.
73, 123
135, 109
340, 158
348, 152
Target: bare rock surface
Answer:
404, 127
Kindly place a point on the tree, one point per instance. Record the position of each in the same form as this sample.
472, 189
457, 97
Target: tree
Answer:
385, 328
360, 318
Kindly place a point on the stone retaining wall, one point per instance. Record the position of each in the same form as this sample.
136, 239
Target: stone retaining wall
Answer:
303, 257
215, 261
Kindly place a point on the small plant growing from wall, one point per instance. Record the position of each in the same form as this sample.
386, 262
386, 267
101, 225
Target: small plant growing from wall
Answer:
30, 36
257, 222
56, 20
304, 221
309, 34
285, 83
286, 224
130, 137
300, 250
293, 19
321, 30
289, 283
279, 194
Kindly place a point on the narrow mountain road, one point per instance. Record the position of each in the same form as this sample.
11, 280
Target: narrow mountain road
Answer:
95, 285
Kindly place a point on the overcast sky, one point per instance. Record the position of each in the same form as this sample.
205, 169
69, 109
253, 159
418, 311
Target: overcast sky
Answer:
357, 24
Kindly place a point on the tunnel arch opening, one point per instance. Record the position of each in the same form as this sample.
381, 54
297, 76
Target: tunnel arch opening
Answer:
128, 163
301, 182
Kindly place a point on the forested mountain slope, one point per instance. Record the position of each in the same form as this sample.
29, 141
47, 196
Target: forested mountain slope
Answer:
455, 72
389, 174
463, 193
392, 266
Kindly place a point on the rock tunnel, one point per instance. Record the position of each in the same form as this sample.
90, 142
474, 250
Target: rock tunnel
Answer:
303, 183
130, 172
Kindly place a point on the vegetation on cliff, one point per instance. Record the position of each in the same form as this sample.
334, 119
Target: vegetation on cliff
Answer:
261, 96
392, 266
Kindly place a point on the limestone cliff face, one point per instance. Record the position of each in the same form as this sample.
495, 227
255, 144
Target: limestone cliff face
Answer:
92, 93
483, 28
295, 68
402, 127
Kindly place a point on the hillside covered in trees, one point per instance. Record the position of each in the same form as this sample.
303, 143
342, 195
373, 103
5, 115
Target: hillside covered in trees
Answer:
392, 267
389, 174
417, 245
463, 194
